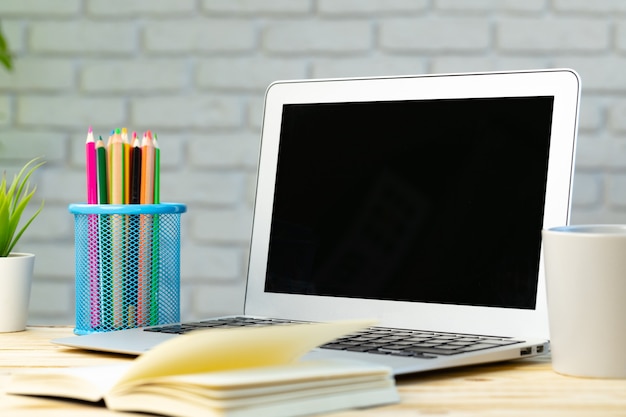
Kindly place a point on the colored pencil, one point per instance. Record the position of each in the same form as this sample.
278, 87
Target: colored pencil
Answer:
92, 198
135, 172
116, 194
90, 165
116, 172
154, 285
127, 162
132, 280
102, 172
147, 172
145, 230
157, 171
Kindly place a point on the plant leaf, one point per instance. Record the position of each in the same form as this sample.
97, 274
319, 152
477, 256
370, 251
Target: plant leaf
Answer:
5, 54
13, 202
23, 229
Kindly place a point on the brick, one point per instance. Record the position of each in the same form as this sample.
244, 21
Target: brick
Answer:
53, 224
53, 260
599, 74
616, 155
210, 111
255, 113
255, 7
14, 35
460, 5
115, 39
458, 63
251, 188
591, 151
620, 36
591, 114
206, 35
616, 190
6, 111
141, 8
21, 145
215, 188
39, 8
224, 151
39, 75
371, 7
363, 66
235, 74
589, 7
213, 263
212, 300
322, 37
587, 190
488, 6
617, 117
172, 151
49, 298
222, 226
143, 75
69, 111
597, 215
73, 185
435, 35
552, 35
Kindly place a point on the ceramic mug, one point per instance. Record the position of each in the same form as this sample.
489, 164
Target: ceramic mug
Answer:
585, 269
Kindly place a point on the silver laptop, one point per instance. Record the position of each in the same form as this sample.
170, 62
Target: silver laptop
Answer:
414, 200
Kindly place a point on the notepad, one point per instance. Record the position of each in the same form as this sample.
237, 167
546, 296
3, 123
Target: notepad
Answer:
232, 372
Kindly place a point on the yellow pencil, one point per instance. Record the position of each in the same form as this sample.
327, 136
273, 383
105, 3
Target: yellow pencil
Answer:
116, 196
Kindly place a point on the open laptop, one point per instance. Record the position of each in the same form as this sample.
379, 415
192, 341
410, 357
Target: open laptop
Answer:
415, 200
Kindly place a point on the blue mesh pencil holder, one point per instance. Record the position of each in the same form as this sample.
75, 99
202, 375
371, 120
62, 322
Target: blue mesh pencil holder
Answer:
127, 265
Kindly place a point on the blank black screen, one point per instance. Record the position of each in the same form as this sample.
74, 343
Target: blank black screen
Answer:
432, 200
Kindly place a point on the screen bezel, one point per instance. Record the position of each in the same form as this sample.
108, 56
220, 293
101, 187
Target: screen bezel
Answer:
563, 85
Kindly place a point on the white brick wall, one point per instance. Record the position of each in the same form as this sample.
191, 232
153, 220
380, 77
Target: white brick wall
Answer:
195, 72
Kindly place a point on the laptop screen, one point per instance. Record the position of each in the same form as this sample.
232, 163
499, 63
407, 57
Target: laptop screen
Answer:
433, 201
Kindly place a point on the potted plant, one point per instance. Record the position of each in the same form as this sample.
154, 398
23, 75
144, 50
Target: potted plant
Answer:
16, 268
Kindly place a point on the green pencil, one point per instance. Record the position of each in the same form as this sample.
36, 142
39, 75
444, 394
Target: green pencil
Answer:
101, 164
157, 171
154, 285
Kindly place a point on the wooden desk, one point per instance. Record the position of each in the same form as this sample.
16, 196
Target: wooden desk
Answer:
518, 388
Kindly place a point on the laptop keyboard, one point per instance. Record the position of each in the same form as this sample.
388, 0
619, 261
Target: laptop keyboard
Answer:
376, 340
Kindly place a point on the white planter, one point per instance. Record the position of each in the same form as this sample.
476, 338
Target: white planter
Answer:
16, 276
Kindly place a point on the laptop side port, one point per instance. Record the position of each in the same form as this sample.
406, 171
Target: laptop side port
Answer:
540, 349
526, 351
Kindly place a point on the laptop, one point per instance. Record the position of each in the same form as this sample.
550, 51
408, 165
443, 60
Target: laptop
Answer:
417, 201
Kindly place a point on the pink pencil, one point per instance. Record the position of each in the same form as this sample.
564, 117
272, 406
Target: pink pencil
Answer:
92, 198
90, 163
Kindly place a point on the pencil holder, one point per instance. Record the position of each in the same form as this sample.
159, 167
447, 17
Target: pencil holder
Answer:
127, 265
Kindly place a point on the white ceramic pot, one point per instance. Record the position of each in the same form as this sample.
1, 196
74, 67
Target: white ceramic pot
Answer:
16, 277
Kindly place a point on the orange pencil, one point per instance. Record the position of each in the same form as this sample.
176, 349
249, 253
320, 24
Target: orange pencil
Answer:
147, 172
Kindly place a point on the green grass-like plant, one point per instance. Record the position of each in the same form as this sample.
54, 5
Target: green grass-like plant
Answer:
13, 201
6, 58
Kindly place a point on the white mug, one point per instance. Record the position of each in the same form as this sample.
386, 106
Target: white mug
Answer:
585, 269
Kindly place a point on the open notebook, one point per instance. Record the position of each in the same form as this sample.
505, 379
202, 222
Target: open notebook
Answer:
414, 200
